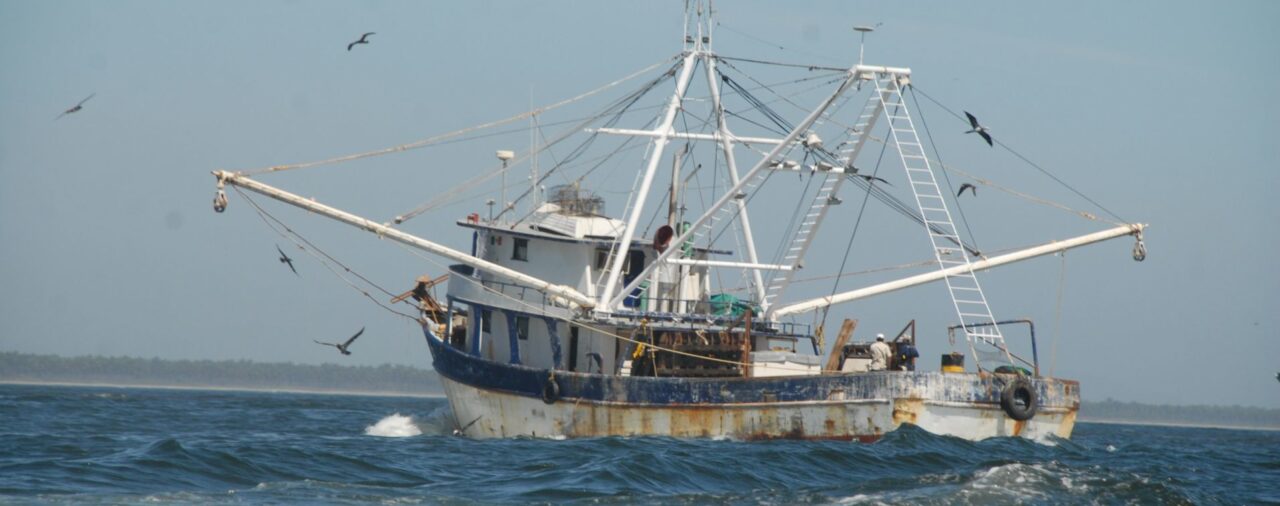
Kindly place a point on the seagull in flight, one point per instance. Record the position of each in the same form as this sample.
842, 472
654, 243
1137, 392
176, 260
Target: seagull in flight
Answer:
979, 129
966, 186
76, 108
361, 41
343, 347
284, 259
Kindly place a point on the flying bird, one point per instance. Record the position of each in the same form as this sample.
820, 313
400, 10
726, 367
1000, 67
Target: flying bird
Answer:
979, 129
76, 108
284, 259
361, 41
343, 347
966, 186
870, 178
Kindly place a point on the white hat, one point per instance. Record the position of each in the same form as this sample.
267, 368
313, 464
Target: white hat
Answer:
879, 337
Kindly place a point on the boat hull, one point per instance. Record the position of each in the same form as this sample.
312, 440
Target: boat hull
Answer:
493, 400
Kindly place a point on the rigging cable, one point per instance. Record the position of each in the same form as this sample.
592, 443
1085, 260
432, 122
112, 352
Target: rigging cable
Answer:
1025, 159
299, 240
849, 247
1057, 314
540, 311
491, 174
950, 188
428, 141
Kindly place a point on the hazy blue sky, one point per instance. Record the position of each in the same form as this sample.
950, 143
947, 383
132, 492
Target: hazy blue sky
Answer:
1165, 112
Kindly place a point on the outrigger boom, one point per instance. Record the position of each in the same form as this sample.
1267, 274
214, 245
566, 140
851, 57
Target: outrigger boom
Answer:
1044, 249
381, 230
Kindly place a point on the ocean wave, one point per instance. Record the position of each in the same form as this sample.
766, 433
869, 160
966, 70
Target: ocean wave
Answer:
231, 447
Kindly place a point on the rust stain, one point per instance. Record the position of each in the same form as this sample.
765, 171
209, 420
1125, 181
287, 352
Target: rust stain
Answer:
1018, 425
1068, 424
907, 411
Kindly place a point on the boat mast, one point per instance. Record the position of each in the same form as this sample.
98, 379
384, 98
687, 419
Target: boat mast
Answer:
726, 145
663, 136
851, 76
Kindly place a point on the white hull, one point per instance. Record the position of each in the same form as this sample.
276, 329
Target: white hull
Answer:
501, 415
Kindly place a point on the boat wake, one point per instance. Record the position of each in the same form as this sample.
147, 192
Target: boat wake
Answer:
396, 425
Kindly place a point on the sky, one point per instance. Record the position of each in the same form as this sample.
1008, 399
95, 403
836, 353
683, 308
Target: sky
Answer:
1163, 112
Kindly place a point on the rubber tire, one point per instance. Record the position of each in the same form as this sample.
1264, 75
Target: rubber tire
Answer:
1019, 388
550, 390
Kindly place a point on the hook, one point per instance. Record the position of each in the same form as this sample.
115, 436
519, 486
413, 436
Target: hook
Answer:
1139, 250
220, 201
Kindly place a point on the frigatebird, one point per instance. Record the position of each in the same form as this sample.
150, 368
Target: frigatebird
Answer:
979, 129
361, 41
870, 178
966, 186
343, 347
76, 108
284, 259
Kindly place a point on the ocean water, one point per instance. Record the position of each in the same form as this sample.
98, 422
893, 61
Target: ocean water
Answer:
128, 445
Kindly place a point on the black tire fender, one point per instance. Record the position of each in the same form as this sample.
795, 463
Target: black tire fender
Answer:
1019, 399
550, 389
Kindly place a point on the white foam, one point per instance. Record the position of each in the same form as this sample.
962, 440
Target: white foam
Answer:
396, 425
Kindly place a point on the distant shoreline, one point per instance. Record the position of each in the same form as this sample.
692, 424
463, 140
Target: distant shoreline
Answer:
212, 388
1186, 425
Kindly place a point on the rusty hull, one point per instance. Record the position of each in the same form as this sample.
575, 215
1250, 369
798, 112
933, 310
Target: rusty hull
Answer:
506, 400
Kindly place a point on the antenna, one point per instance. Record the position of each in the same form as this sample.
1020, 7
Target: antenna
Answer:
864, 30
505, 156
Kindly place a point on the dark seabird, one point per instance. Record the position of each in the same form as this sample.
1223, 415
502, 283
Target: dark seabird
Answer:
966, 186
76, 108
871, 179
361, 41
343, 347
284, 259
979, 129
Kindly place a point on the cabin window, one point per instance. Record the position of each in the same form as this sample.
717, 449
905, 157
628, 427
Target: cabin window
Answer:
522, 328
484, 320
602, 258
520, 250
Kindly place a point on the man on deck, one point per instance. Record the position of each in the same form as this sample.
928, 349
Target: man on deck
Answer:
907, 354
880, 354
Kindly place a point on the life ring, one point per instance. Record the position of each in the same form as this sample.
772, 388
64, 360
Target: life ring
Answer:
1019, 399
550, 390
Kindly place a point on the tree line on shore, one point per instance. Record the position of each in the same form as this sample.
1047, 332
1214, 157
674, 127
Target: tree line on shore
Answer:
385, 378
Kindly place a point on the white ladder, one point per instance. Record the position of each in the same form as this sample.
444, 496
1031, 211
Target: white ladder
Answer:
793, 256
966, 293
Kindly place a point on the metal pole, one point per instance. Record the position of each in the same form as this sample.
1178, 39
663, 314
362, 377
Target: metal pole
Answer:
1045, 249
726, 145
384, 231
664, 131
728, 195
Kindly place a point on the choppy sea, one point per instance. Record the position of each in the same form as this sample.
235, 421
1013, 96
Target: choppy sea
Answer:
131, 445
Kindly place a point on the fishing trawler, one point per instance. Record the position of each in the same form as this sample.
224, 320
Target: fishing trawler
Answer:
568, 322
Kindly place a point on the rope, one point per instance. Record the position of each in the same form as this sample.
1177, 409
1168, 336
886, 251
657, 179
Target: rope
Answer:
300, 240
430, 140
849, 247
537, 310
781, 64
1025, 159
624, 102
1057, 315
